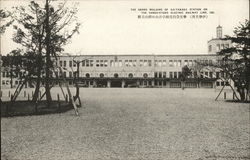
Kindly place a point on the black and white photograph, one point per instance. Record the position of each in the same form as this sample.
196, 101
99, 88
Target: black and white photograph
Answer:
125, 80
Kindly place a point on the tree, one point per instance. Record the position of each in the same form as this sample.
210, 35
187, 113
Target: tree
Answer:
43, 32
4, 15
235, 61
184, 75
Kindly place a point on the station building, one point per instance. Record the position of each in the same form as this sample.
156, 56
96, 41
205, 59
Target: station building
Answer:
151, 70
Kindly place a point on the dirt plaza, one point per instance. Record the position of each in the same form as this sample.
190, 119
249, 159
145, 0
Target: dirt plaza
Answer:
133, 124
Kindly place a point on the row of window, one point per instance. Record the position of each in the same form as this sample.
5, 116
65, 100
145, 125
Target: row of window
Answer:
7, 82
218, 47
8, 74
156, 74
130, 63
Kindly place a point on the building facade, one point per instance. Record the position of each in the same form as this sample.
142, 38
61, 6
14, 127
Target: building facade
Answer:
136, 70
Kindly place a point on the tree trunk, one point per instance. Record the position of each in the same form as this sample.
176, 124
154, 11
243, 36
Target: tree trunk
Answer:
76, 83
47, 70
11, 76
242, 93
39, 69
36, 93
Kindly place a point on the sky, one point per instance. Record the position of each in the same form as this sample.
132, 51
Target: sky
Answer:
111, 27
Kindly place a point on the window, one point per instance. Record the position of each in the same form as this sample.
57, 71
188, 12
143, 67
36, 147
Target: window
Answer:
126, 63
70, 63
179, 74
156, 62
130, 75
164, 74
179, 63
222, 74
217, 83
190, 63
210, 48
134, 63
217, 74
3, 74
222, 83
91, 63
222, 46
175, 63
116, 64
101, 75
112, 63
97, 63
210, 74
70, 74
130, 63
164, 63
87, 63
175, 74
145, 63
145, 75
120, 63
141, 63
105, 63
149, 63
74, 64
101, 63
87, 75
185, 62
60, 63
218, 47
83, 63
116, 75
64, 63
210, 62
159, 63
160, 74
156, 75
170, 63
170, 74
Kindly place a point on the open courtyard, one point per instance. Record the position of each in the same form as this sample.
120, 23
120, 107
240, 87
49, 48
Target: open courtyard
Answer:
133, 124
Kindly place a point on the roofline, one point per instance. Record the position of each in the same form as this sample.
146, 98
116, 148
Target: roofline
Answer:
139, 55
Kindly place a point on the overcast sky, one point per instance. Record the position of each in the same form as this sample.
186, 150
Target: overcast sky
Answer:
110, 27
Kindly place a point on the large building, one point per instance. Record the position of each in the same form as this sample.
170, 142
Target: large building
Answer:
138, 70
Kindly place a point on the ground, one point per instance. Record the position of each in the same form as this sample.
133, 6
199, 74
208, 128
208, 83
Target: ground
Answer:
134, 124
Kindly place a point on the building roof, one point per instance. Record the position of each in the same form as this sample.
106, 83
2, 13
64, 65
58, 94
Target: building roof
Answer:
139, 55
